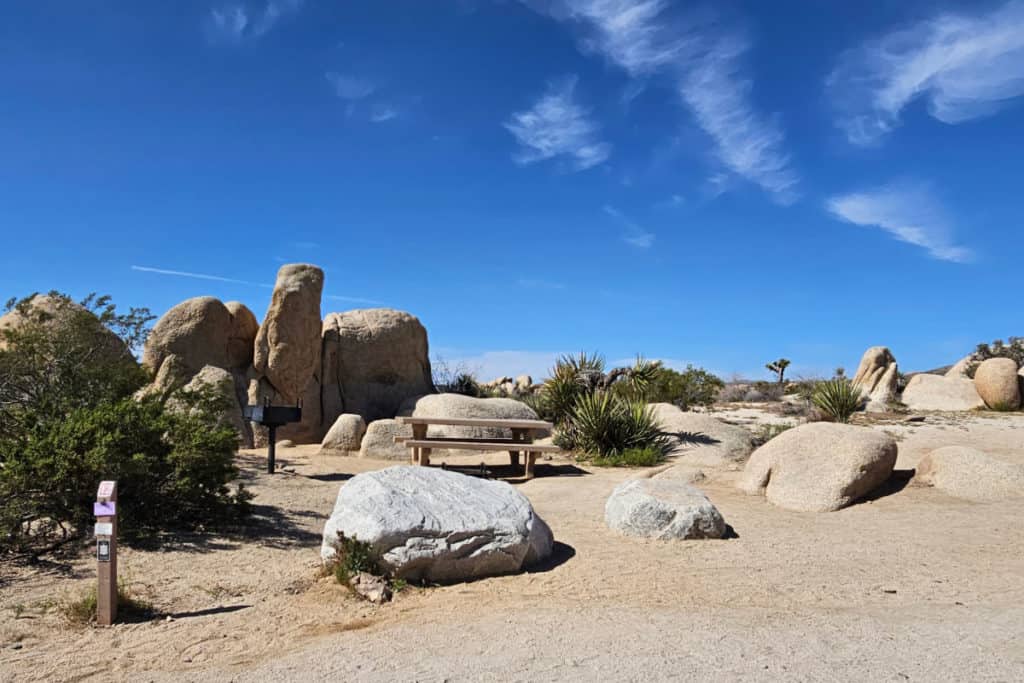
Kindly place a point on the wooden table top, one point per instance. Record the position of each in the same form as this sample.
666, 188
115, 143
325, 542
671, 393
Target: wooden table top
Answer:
477, 422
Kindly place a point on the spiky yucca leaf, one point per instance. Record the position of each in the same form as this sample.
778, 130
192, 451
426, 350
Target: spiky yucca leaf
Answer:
838, 398
605, 424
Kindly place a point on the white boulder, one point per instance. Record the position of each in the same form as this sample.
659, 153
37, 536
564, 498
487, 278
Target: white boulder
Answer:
427, 524
967, 473
379, 440
346, 434
662, 509
936, 392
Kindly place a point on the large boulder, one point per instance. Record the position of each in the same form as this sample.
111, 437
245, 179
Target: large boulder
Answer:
998, 383
457, 405
346, 434
820, 467
433, 525
373, 360
701, 440
379, 441
877, 378
662, 509
223, 384
56, 313
964, 472
287, 348
935, 392
241, 334
959, 369
196, 331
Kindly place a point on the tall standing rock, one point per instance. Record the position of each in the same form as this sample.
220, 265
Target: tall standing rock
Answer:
287, 351
878, 378
373, 360
241, 334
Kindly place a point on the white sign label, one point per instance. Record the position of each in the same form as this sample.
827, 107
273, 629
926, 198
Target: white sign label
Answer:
104, 529
106, 489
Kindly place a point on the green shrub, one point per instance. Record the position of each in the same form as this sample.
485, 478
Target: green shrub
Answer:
68, 421
692, 387
837, 398
1012, 348
632, 457
605, 424
351, 557
82, 610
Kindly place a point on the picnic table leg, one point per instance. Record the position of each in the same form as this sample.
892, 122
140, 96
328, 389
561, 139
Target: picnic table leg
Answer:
531, 459
524, 436
424, 457
419, 432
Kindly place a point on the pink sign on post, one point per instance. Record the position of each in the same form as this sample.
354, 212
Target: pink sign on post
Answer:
105, 509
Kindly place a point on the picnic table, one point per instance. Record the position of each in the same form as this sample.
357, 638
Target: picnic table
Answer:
521, 443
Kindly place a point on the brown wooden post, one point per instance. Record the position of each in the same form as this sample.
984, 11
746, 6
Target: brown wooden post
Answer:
105, 510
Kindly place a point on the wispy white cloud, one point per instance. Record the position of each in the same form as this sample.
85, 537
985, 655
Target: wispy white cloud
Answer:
349, 87
557, 126
383, 112
231, 280
236, 21
963, 65
198, 276
908, 211
705, 61
635, 235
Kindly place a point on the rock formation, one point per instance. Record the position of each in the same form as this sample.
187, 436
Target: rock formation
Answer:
935, 392
373, 360
970, 474
702, 440
345, 435
877, 378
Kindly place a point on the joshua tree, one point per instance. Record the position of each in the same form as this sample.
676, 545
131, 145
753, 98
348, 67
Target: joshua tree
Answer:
779, 368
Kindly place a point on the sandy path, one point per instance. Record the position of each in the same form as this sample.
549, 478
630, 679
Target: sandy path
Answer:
912, 585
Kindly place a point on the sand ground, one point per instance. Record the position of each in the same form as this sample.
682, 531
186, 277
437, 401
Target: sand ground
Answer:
911, 585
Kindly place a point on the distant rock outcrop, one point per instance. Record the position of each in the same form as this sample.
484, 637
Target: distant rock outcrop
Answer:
877, 378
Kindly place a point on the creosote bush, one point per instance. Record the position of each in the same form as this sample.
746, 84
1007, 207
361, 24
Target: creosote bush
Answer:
68, 420
1012, 348
686, 389
632, 457
837, 398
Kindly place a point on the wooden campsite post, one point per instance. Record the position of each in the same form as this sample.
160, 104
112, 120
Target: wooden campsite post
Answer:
105, 510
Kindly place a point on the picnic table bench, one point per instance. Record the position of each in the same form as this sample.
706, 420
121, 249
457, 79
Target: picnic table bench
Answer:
521, 443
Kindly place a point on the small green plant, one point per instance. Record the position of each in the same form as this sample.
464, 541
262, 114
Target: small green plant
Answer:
767, 432
351, 557
399, 585
837, 398
82, 610
632, 457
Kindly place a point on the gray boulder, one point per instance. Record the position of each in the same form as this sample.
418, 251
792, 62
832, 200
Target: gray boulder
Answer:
379, 441
346, 434
373, 360
433, 525
701, 440
662, 509
820, 467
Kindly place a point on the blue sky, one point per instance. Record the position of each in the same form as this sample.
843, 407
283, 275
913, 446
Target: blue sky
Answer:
719, 183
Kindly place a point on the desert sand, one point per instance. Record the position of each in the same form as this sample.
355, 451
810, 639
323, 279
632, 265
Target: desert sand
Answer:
909, 585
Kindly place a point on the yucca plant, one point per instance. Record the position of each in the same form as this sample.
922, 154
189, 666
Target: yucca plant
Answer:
604, 424
838, 398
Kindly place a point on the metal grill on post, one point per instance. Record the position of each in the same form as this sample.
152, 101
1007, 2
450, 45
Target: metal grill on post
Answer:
273, 417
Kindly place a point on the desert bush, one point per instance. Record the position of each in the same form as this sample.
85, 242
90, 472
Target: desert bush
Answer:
68, 421
1012, 348
606, 424
82, 610
692, 387
837, 398
732, 393
351, 557
632, 457
583, 375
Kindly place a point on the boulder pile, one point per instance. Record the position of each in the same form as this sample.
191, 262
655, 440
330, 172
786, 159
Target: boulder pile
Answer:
364, 362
